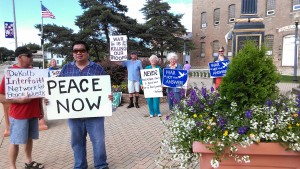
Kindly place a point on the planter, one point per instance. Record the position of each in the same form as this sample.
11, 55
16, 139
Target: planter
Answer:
262, 156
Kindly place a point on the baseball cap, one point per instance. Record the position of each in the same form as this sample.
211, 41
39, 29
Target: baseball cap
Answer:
133, 53
23, 50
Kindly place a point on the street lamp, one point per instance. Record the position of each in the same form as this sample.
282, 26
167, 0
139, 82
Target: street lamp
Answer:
296, 49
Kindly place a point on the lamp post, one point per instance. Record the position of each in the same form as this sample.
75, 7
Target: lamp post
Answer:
296, 49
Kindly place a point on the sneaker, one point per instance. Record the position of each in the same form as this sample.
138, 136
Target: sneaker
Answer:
159, 115
151, 116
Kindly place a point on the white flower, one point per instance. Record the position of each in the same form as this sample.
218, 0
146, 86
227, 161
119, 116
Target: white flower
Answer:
214, 163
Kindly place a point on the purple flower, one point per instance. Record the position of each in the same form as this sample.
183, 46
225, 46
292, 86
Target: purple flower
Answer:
199, 124
248, 114
175, 101
243, 130
167, 117
212, 89
201, 106
182, 93
203, 92
269, 103
222, 122
299, 113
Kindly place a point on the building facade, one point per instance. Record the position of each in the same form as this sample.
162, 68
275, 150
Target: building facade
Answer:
213, 21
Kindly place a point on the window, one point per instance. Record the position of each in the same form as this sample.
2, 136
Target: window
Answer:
215, 48
269, 41
217, 16
202, 47
231, 13
296, 5
229, 47
203, 20
271, 7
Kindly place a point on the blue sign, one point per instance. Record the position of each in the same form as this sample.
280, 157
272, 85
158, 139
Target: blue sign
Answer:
218, 69
9, 29
175, 78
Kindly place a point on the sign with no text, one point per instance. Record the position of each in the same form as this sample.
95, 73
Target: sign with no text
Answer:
151, 83
118, 48
78, 97
175, 78
25, 83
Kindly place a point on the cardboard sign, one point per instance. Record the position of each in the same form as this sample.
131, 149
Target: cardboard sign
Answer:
118, 48
78, 97
218, 69
175, 78
54, 73
151, 83
24, 83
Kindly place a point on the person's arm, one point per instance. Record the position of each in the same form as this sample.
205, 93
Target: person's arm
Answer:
41, 109
16, 101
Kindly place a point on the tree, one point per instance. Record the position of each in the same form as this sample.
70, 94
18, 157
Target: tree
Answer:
163, 29
6, 54
59, 39
102, 18
33, 46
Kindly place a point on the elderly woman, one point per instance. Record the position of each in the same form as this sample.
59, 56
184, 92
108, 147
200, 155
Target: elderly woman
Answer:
153, 103
52, 65
173, 93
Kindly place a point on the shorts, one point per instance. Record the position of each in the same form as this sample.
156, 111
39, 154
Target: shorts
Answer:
23, 129
133, 86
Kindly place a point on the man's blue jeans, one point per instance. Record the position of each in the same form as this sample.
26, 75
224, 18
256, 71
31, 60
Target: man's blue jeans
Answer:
79, 129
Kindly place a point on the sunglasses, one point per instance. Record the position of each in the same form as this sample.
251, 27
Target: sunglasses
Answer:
27, 55
221, 51
79, 50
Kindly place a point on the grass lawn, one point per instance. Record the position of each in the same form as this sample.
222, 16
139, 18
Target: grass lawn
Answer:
288, 79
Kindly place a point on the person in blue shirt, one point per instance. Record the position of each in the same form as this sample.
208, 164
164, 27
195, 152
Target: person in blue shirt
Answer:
133, 68
80, 127
153, 103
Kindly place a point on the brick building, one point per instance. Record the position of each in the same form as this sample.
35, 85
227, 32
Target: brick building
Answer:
214, 19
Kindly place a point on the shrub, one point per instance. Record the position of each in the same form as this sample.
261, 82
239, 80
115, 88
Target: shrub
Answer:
251, 78
117, 72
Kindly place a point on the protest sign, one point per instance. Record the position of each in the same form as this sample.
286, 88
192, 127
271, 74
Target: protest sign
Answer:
78, 97
151, 83
118, 48
54, 73
218, 69
24, 83
175, 78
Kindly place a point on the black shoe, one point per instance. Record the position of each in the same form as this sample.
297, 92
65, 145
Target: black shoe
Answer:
137, 105
130, 105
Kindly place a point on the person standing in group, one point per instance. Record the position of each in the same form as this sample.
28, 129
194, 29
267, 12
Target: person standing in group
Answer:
187, 67
80, 127
153, 103
221, 57
133, 68
173, 93
23, 116
52, 65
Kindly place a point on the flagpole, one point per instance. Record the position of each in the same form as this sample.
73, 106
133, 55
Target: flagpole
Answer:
42, 40
15, 24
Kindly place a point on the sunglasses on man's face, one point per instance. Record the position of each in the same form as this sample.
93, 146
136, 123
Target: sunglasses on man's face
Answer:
79, 50
27, 55
221, 51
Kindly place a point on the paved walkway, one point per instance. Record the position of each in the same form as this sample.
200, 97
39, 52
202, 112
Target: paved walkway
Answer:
132, 139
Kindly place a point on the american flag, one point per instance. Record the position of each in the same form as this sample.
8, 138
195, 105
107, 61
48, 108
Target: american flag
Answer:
46, 13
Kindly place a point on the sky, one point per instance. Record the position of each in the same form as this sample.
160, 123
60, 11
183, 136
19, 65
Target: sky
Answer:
28, 14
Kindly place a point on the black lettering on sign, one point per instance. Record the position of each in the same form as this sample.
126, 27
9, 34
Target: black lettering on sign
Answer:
51, 85
96, 82
80, 84
61, 86
73, 85
79, 103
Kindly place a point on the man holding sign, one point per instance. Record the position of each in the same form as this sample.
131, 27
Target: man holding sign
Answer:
24, 113
79, 127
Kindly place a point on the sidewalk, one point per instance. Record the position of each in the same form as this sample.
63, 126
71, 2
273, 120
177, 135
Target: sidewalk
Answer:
132, 139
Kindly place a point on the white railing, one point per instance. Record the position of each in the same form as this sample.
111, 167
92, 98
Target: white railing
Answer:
203, 73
